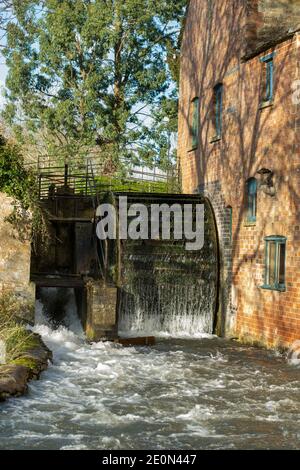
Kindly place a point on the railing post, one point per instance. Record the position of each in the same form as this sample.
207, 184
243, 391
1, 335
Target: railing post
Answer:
66, 174
40, 185
86, 177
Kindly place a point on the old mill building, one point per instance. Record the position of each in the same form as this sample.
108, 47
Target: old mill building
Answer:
239, 144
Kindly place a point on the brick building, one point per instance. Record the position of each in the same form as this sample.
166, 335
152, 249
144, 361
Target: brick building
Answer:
239, 144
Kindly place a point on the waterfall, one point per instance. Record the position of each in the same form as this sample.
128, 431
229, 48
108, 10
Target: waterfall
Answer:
165, 286
166, 310
167, 289
56, 307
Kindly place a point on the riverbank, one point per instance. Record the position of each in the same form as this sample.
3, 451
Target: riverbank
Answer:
29, 365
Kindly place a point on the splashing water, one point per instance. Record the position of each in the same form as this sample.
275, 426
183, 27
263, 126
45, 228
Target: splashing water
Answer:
44, 315
294, 354
181, 394
178, 311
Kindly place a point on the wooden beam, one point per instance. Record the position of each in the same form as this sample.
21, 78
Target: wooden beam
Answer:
142, 341
70, 220
57, 282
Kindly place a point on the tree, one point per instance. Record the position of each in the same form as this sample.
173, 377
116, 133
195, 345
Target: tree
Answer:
93, 76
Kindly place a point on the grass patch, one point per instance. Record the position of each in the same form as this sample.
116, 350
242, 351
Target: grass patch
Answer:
119, 184
25, 361
15, 336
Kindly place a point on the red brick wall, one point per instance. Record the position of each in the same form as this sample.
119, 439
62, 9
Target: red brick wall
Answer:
252, 138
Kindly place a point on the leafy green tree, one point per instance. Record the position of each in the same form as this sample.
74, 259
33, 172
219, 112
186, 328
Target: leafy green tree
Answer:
94, 76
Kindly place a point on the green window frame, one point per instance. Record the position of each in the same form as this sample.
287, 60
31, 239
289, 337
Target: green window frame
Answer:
194, 123
251, 200
268, 83
218, 110
275, 263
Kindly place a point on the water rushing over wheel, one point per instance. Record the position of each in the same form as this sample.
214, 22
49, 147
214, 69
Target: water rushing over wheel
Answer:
166, 288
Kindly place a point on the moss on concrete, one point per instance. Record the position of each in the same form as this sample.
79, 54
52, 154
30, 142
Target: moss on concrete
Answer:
26, 354
15, 375
26, 362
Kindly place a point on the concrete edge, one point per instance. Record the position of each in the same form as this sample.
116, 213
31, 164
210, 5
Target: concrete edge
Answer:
14, 376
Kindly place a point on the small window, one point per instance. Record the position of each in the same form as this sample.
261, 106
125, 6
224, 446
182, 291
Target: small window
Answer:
229, 209
251, 200
217, 110
268, 78
275, 263
194, 123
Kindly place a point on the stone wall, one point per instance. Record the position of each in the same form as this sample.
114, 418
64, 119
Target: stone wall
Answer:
100, 322
14, 255
253, 137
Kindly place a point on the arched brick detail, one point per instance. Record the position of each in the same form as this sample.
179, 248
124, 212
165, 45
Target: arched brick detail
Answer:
226, 312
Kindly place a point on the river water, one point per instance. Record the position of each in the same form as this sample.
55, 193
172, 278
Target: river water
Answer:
194, 392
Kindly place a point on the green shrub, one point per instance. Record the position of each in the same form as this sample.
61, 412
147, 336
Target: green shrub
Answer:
15, 179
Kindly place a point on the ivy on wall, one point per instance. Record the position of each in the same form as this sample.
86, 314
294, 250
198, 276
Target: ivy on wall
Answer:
15, 180
18, 182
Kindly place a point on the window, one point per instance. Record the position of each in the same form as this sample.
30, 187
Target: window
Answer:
194, 123
229, 209
268, 78
275, 263
251, 200
217, 110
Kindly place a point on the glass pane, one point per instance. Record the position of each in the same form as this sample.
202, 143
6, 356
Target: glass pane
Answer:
264, 82
218, 91
271, 277
268, 89
252, 190
281, 263
195, 122
269, 84
250, 206
219, 110
252, 186
230, 223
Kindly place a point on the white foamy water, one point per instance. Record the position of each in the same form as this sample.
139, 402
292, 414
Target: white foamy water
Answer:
174, 325
166, 311
71, 320
294, 354
181, 394
190, 394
